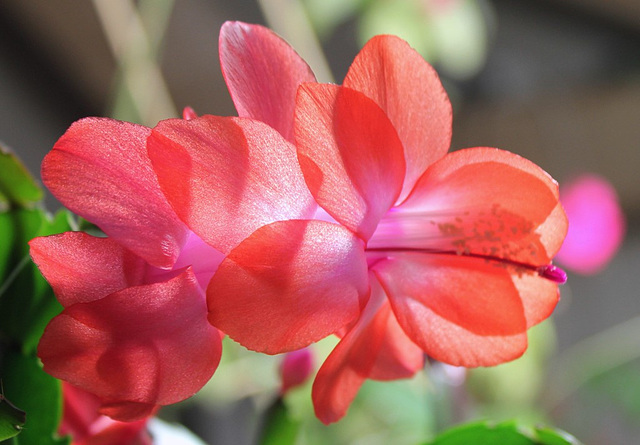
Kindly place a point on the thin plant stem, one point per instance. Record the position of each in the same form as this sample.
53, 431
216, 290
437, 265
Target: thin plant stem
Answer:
14, 274
289, 19
591, 358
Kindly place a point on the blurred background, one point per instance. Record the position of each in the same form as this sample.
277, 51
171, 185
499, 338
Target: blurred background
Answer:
557, 81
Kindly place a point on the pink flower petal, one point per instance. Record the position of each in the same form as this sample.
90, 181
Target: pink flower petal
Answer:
349, 153
479, 201
225, 177
375, 347
262, 73
289, 284
596, 224
82, 268
136, 348
407, 88
461, 311
99, 170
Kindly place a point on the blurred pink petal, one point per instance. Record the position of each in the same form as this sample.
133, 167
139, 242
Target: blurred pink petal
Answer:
596, 224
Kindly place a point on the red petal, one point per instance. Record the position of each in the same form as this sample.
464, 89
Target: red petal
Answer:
136, 348
461, 311
80, 411
399, 357
82, 268
128, 411
480, 201
225, 177
349, 153
375, 347
99, 169
289, 284
407, 88
262, 73
87, 427
554, 230
539, 295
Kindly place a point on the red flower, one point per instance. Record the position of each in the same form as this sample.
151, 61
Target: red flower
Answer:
418, 250
411, 249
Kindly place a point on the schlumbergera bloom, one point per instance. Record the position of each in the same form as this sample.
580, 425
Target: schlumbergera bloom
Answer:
420, 251
322, 209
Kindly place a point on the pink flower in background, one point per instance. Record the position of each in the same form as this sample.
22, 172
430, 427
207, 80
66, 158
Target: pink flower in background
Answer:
417, 250
596, 224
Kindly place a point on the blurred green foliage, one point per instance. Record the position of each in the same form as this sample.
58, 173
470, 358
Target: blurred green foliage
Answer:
506, 433
27, 304
452, 34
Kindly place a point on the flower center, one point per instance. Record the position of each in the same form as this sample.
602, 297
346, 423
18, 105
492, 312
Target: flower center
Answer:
496, 236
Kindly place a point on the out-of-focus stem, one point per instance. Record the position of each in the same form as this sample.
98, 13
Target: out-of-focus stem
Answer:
289, 19
141, 83
592, 357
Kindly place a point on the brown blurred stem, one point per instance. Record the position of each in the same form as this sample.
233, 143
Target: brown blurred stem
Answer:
289, 19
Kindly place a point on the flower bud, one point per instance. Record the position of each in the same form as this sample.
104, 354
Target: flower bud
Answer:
295, 369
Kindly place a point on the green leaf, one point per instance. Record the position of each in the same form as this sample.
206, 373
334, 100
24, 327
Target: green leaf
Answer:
26, 300
550, 436
17, 186
278, 428
505, 433
11, 418
39, 394
7, 234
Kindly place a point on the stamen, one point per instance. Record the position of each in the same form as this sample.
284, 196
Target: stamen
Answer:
550, 272
553, 273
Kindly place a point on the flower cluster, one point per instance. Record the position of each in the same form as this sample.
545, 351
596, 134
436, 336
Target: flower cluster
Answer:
322, 209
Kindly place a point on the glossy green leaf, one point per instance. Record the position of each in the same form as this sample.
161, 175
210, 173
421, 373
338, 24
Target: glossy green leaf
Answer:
505, 433
38, 394
550, 436
7, 234
17, 186
12, 418
279, 428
